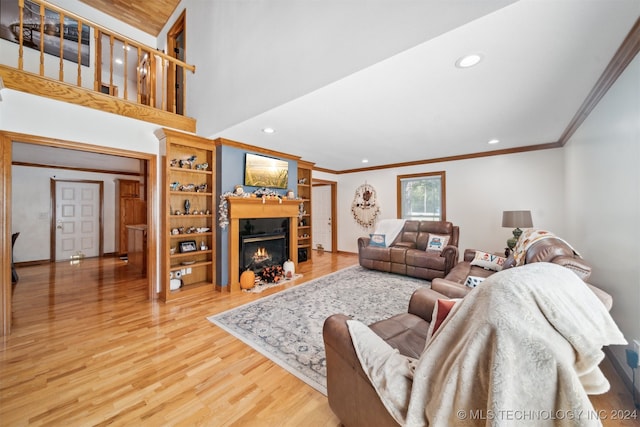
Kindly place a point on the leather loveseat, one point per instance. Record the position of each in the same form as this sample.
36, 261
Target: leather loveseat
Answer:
407, 254
351, 396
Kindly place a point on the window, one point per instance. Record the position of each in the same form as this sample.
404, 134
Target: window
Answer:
422, 196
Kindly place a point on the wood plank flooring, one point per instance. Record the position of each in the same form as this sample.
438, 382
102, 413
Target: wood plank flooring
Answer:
87, 348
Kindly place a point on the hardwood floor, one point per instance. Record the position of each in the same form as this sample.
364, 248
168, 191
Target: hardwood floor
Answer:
87, 348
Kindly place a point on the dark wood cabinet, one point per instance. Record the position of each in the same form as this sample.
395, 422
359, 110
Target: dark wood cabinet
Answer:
137, 251
130, 210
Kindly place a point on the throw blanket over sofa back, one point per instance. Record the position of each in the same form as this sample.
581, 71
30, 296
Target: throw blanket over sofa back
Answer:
526, 339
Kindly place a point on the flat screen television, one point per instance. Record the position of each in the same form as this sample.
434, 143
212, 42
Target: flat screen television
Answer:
263, 171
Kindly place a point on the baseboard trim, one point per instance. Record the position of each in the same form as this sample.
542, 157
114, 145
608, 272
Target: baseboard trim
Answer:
622, 372
346, 253
32, 263
47, 261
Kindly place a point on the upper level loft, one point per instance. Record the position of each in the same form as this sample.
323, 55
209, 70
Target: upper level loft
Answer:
50, 52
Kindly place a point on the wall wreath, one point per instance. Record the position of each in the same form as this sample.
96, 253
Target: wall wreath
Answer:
365, 207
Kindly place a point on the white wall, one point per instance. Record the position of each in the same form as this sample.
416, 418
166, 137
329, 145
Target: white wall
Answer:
33, 115
477, 191
603, 199
31, 208
252, 56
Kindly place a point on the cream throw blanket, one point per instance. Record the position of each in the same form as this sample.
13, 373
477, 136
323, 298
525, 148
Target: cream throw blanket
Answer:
390, 228
523, 348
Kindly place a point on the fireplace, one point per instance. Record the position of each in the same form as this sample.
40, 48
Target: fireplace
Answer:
262, 250
263, 243
245, 215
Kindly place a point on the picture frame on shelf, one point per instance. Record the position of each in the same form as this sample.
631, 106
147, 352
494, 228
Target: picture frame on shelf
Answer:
188, 246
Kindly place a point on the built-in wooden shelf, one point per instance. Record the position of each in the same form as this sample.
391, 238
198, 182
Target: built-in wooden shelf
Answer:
304, 197
201, 274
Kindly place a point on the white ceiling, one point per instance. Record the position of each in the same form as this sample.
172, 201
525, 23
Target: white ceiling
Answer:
541, 59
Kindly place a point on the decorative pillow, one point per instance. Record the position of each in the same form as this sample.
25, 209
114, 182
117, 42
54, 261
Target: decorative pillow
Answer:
440, 312
377, 240
473, 281
488, 261
437, 242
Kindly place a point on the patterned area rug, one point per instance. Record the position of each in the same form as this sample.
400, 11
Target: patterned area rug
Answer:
287, 327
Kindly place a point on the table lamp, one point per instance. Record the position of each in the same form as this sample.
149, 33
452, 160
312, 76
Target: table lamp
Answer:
516, 219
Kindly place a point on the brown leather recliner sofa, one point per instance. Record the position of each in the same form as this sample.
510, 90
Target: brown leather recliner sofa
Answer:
551, 249
407, 253
351, 396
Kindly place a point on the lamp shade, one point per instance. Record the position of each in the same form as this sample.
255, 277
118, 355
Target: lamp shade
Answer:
517, 219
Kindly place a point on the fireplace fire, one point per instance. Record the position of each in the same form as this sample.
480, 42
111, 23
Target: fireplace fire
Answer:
258, 252
261, 255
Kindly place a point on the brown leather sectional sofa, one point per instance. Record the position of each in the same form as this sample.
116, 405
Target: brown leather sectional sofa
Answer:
407, 253
351, 396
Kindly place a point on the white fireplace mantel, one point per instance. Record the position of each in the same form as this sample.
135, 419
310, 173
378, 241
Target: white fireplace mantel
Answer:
252, 207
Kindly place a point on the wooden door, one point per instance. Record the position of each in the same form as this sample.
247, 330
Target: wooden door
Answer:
176, 44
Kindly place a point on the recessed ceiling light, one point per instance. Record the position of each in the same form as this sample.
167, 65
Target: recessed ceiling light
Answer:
494, 141
469, 60
268, 130
365, 160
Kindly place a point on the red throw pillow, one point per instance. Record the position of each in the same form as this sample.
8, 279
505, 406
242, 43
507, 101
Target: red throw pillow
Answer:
444, 307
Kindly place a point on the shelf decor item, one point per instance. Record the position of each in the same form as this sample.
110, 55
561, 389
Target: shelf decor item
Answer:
175, 284
188, 246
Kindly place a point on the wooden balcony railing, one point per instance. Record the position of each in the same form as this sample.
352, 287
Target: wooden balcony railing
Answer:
55, 44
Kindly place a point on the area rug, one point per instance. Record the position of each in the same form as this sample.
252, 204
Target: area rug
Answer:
287, 327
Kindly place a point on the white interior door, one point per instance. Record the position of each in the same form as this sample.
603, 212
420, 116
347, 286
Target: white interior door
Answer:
321, 217
77, 219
